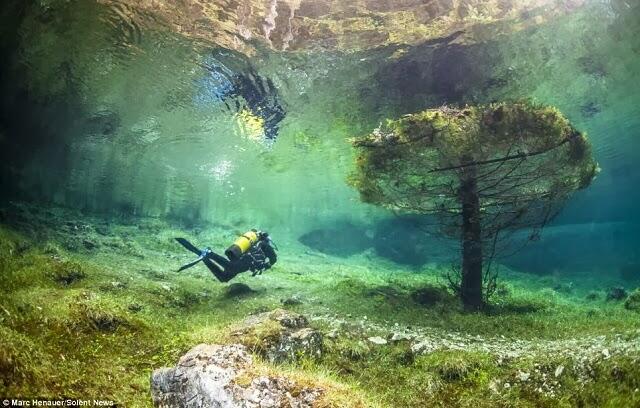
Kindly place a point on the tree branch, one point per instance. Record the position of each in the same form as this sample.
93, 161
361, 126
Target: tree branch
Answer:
500, 159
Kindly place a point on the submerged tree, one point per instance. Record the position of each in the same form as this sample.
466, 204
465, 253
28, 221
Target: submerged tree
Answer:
485, 172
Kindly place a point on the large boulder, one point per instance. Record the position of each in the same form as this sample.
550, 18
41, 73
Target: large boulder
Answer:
224, 377
344, 240
279, 335
403, 240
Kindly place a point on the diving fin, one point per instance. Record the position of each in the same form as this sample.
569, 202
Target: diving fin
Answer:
188, 245
190, 264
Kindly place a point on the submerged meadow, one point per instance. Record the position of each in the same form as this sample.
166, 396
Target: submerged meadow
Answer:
91, 306
451, 187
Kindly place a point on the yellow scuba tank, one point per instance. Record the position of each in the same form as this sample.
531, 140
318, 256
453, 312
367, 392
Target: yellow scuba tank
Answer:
241, 245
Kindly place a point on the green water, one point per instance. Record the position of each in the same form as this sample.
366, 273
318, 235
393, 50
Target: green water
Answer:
125, 123
177, 149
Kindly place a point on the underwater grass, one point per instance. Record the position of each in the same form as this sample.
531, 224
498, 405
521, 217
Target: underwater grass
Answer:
472, 379
522, 312
94, 322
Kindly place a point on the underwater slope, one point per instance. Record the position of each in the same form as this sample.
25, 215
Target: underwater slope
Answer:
79, 288
124, 124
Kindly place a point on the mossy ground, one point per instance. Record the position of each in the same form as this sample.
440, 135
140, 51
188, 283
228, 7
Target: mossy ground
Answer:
90, 306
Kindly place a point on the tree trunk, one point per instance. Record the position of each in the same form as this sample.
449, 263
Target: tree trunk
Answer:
471, 284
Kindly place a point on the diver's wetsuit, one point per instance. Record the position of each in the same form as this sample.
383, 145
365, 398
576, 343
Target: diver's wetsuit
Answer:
259, 258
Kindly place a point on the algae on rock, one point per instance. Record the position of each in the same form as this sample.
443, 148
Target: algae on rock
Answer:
280, 335
208, 375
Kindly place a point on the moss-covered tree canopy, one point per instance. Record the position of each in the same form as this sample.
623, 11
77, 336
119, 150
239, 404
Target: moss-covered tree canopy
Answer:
524, 158
485, 171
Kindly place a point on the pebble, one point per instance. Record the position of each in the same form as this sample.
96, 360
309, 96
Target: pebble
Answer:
400, 337
134, 307
377, 340
583, 351
523, 376
292, 301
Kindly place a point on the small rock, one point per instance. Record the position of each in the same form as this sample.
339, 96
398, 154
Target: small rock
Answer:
377, 340
51, 249
429, 295
617, 293
605, 353
306, 341
397, 337
292, 301
68, 274
493, 386
134, 307
559, 371
89, 244
592, 296
280, 335
423, 347
523, 376
105, 322
238, 289
118, 285
564, 287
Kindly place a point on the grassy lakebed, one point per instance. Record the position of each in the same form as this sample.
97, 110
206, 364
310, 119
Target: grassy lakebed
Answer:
90, 306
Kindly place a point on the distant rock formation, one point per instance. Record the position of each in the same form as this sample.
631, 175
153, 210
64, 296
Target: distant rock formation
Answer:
221, 376
344, 240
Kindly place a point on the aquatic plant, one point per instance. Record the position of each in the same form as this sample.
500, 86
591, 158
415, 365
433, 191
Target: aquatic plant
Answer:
633, 301
129, 316
484, 172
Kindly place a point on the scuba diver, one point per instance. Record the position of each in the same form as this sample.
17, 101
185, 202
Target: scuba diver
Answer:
253, 251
